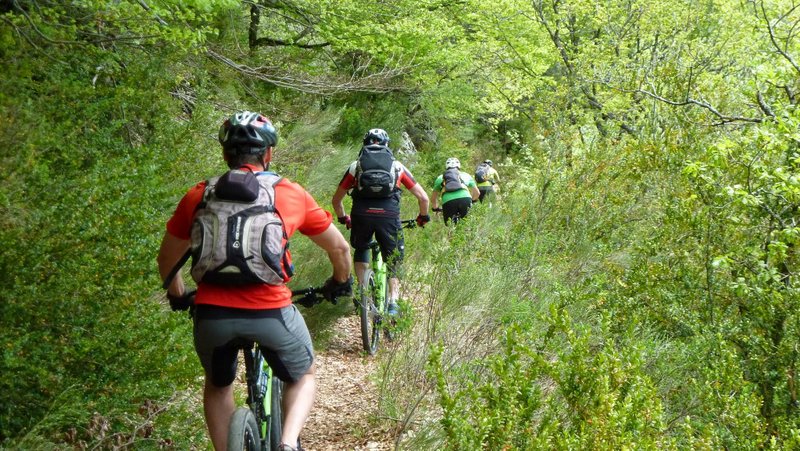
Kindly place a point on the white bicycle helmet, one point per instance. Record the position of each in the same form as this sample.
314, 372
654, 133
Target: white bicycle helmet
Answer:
452, 163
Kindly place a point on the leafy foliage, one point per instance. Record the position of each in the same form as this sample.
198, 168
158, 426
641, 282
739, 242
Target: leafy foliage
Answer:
633, 288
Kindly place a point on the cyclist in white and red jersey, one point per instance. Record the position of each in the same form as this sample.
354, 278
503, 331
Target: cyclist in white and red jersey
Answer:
379, 216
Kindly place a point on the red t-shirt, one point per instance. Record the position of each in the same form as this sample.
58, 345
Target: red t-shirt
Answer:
299, 211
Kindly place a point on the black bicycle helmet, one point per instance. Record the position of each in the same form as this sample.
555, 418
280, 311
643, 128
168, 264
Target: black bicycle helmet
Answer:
247, 132
489, 162
376, 136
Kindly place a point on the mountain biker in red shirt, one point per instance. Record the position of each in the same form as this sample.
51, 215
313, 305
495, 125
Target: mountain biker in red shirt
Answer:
379, 216
261, 311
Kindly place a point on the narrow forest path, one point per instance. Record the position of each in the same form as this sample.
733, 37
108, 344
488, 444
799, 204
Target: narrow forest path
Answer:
346, 396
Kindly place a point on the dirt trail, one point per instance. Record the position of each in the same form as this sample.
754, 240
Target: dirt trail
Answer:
346, 397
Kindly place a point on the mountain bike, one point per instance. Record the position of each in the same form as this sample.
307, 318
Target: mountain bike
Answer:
373, 292
256, 426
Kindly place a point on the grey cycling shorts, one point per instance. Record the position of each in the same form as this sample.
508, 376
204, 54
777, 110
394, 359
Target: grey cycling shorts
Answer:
281, 333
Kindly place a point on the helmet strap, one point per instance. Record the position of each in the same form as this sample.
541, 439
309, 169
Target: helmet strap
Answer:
265, 164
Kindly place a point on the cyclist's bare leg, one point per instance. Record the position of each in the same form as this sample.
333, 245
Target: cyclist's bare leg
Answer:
298, 398
360, 268
218, 406
394, 289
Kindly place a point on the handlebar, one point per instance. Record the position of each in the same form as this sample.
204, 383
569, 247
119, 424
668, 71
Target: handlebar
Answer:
409, 223
308, 297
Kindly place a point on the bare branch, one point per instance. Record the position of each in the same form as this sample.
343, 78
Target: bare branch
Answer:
278, 42
763, 105
724, 119
307, 28
772, 37
32, 44
157, 17
91, 38
38, 31
552, 31
382, 81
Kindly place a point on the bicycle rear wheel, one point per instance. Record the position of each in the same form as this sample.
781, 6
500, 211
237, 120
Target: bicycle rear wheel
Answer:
275, 426
370, 314
243, 434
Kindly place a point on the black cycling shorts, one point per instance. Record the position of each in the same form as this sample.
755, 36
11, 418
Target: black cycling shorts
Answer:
281, 333
388, 232
485, 190
456, 209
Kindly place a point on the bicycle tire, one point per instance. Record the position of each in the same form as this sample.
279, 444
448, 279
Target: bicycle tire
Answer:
370, 316
275, 426
243, 434
388, 325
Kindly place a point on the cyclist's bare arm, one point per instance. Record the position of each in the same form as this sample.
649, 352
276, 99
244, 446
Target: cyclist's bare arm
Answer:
475, 192
334, 243
435, 199
337, 201
419, 192
172, 249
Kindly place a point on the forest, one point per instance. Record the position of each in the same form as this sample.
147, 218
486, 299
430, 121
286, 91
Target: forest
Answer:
632, 288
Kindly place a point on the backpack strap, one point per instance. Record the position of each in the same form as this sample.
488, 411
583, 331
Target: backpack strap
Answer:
182, 261
185, 257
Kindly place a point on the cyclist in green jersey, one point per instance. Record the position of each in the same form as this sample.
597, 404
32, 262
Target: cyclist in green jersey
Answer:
457, 189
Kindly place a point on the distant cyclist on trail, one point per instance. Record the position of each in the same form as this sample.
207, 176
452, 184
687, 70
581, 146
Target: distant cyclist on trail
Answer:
457, 189
487, 179
374, 182
238, 226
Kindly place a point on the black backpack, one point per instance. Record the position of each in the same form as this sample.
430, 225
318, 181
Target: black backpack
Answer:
481, 172
451, 180
375, 174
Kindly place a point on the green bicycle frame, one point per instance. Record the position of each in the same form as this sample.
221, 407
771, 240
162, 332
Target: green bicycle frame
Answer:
260, 390
266, 403
379, 267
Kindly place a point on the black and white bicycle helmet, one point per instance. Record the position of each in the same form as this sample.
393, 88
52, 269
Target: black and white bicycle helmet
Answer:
376, 136
247, 132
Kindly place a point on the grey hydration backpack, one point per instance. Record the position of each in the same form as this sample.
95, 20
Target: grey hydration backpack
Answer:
481, 172
375, 174
238, 237
451, 180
